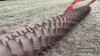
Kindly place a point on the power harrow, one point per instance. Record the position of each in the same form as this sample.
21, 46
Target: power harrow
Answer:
33, 40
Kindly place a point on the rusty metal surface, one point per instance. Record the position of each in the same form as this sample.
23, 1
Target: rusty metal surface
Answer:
33, 40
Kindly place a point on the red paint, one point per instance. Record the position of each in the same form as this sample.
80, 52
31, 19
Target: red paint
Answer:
70, 7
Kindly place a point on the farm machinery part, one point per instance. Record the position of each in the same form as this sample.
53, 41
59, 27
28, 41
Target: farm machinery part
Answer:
33, 40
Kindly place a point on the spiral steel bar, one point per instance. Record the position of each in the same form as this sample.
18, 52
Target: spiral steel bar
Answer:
33, 40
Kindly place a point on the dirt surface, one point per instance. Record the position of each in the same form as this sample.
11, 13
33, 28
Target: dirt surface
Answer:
19, 13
